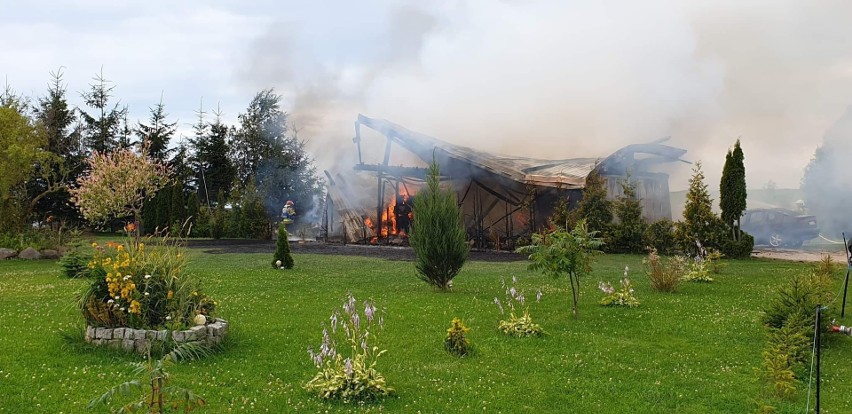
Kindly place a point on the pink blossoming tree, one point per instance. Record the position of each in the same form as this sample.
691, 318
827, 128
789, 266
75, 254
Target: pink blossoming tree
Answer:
118, 184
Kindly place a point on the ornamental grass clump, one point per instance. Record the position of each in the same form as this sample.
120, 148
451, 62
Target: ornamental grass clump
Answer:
456, 341
664, 275
517, 326
621, 297
143, 287
353, 377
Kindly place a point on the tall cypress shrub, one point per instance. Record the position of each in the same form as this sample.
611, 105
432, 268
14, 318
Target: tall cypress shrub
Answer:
282, 249
437, 237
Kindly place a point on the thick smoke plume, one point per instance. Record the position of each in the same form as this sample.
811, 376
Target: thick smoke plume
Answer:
573, 79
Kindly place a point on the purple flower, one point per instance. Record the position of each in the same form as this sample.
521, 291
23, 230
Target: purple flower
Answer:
538, 296
356, 320
499, 305
513, 292
333, 322
369, 311
347, 367
521, 299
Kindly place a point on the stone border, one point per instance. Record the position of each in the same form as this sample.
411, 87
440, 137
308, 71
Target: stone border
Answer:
139, 340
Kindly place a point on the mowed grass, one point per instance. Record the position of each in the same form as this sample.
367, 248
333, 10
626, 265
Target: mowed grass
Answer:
694, 351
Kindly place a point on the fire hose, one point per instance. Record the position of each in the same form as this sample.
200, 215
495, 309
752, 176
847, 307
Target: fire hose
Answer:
846, 330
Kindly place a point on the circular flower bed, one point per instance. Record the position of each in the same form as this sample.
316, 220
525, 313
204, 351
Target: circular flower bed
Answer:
144, 289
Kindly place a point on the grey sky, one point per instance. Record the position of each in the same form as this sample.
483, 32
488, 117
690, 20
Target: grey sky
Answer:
552, 79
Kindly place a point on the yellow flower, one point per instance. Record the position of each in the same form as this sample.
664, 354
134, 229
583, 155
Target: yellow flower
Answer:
170, 295
134, 307
95, 245
141, 246
120, 247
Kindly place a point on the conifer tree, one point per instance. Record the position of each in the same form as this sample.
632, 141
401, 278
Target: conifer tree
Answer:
594, 206
732, 190
282, 256
627, 234
700, 223
157, 133
437, 236
103, 124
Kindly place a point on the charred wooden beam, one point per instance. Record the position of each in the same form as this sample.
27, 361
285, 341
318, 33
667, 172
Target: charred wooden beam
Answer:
408, 172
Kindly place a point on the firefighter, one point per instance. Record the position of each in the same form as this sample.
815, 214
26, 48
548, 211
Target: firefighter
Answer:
288, 213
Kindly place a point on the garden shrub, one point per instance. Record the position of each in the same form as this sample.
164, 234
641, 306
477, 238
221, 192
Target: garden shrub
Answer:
438, 237
282, 259
143, 287
826, 267
355, 377
516, 326
75, 264
664, 275
737, 249
660, 236
699, 271
798, 298
622, 297
714, 261
786, 354
627, 233
456, 341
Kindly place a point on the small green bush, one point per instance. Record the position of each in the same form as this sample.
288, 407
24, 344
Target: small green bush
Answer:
699, 271
826, 267
282, 258
737, 249
456, 341
660, 236
798, 298
520, 327
75, 264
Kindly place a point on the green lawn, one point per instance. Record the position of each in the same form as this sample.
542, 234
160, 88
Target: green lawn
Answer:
696, 351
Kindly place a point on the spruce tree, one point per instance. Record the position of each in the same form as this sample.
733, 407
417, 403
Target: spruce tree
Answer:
627, 235
594, 206
156, 135
282, 249
48, 191
103, 124
700, 223
437, 235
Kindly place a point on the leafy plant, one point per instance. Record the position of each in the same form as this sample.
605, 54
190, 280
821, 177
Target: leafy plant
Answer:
699, 271
664, 275
282, 258
714, 261
355, 377
560, 252
516, 326
456, 341
622, 297
152, 389
437, 237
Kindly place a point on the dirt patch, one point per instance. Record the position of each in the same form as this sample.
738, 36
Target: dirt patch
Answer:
837, 255
313, 247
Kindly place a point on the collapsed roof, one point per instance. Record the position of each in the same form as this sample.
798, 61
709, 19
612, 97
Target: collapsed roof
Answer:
501, 197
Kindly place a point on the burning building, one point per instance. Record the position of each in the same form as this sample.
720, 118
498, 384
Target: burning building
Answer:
502, 198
